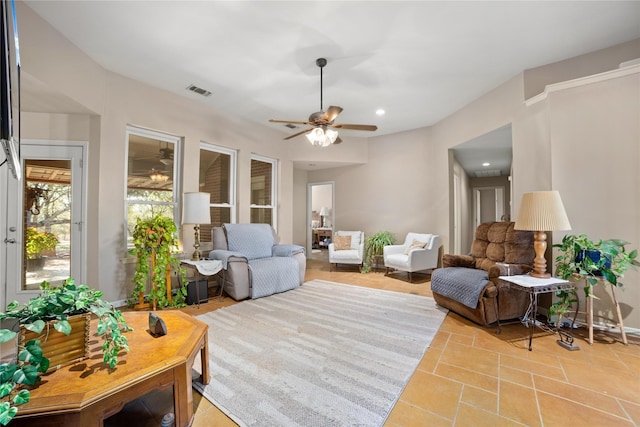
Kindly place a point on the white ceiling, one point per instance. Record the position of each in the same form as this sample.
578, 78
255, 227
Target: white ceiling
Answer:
418, 60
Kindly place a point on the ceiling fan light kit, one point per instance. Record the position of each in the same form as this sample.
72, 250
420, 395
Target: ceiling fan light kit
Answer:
319, 137
320, 134
157, 176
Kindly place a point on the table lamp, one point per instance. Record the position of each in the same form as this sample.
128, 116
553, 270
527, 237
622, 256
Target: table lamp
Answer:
324, 212
541, 211
196, 211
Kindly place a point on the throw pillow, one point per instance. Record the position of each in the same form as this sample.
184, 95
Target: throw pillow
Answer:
414, 245
342, 243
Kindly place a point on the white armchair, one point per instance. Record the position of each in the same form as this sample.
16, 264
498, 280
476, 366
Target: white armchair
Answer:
418, 252
342, 253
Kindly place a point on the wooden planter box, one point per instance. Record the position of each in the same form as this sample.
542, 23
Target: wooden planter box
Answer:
61, 349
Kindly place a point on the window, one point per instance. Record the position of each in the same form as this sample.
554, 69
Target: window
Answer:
218, 178
263, 190
152, 169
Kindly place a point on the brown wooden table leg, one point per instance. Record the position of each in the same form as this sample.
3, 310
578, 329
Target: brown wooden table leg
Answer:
204, 360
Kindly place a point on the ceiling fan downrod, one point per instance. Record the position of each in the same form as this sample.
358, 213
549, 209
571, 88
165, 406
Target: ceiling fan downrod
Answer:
321, 62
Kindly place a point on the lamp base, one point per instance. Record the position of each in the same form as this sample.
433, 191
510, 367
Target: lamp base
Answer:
196, 245
539, 262
540, 275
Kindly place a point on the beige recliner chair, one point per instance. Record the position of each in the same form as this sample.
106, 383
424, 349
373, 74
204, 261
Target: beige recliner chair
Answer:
255, 264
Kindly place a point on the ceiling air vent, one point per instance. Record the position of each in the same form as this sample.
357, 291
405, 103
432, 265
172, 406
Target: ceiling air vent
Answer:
291, 126
484, 173
199, 90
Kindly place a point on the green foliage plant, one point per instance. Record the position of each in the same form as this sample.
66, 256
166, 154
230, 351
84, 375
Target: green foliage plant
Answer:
54, 303
374, 246
15, 375
38, 241
155, 238
581, 258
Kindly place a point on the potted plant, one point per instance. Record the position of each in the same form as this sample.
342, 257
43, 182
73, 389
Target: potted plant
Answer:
581, 258
53, 308
153, 240
37, 242
373, 248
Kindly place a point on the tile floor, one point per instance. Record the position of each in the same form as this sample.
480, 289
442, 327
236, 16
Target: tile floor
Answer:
471, 376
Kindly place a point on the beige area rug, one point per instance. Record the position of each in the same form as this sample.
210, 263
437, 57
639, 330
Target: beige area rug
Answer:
324, 354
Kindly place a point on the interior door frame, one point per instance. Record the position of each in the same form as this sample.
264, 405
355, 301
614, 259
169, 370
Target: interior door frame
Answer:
498, 191
457, 213
310, 186
12, 268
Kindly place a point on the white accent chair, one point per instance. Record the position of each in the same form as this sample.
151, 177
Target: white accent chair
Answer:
354, 255
411, 259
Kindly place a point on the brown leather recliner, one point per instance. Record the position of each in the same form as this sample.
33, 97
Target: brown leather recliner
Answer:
495, 242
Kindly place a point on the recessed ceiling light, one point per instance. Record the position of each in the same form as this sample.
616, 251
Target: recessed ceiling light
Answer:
380, 112
485, 164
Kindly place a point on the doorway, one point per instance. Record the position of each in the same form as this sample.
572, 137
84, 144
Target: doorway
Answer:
480, 176
46, 219
489, 205
320, 218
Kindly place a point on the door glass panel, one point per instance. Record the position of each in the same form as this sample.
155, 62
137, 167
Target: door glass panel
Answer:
47, 222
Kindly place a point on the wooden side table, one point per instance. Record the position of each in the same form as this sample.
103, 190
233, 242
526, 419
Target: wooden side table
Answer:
205, 267
87, 392
320, 234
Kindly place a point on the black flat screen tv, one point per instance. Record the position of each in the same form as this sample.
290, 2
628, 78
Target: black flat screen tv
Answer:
10, 88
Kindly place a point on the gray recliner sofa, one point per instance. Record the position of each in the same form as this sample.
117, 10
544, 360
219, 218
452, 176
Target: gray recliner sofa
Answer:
255, 264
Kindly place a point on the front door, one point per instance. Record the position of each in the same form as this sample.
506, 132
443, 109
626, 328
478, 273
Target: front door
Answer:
45, 219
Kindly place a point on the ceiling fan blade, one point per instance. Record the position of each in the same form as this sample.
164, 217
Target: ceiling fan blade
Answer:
290, 121
299, 133
354, 127
331, 114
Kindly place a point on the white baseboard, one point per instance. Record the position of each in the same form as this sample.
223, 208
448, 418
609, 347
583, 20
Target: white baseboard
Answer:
597, 325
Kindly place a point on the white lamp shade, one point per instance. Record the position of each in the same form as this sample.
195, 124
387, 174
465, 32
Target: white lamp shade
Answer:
195, 208
542, 211
324, 211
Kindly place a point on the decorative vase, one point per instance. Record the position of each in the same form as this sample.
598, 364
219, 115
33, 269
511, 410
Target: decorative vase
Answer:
378, 262
61, 349
36, 264
593, 256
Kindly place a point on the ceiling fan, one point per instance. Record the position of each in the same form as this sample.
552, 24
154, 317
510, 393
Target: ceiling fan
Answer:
322, 133
151, 163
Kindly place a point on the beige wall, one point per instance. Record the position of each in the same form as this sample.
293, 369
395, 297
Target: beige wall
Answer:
395, 182
300, 179
595, 151
115, 102
588, 134
580, 66
391, 191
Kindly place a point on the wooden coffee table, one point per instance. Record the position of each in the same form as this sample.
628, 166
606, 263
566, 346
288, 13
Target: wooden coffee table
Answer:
87, 392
